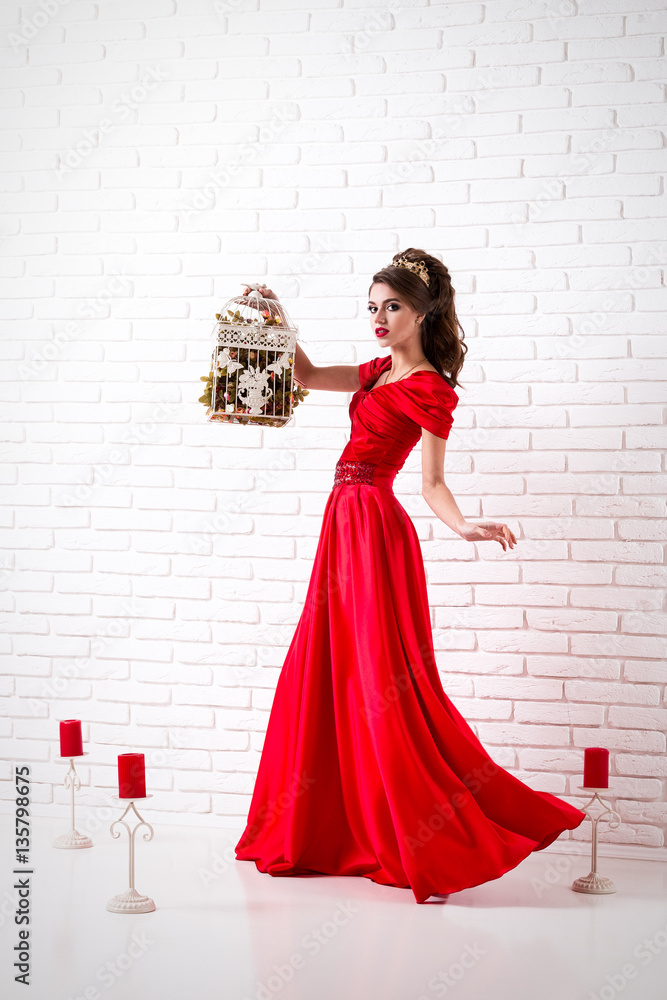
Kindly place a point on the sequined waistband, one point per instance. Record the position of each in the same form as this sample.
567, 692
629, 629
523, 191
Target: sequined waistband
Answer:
351, 472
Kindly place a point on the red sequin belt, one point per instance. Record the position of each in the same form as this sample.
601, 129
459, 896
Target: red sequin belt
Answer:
349, 472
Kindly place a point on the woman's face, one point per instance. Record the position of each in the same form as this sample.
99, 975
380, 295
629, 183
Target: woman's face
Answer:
392, 320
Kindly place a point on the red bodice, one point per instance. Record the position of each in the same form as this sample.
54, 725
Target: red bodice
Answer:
387, 420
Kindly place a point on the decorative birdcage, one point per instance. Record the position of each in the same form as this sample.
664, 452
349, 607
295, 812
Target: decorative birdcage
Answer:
251, 377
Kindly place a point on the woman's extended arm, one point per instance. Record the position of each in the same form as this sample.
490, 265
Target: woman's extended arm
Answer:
333, 378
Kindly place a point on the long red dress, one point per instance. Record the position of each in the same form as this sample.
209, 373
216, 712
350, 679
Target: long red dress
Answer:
367, 767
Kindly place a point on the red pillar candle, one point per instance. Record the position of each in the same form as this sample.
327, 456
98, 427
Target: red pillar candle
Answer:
131, 776
596, 767
70, 738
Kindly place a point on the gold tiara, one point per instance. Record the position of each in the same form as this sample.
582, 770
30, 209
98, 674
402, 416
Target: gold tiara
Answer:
418, 268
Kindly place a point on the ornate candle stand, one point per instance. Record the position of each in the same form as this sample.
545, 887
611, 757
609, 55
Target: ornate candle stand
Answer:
593, 882
73, 840
131, 901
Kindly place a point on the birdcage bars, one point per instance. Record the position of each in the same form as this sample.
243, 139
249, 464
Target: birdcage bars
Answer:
251, 378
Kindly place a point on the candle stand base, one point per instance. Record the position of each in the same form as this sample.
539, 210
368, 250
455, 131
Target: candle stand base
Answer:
595, 883
130, 901
72, 841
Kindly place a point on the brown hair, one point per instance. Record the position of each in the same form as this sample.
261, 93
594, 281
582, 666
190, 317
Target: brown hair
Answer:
440, 327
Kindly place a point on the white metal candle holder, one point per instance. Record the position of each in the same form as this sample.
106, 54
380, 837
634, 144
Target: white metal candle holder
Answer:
73, 840
594, 882
131, 901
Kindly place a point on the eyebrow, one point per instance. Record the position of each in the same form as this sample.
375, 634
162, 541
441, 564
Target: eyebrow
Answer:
393, 299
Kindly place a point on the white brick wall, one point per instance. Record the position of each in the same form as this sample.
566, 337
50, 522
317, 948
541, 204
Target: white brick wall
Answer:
156, 154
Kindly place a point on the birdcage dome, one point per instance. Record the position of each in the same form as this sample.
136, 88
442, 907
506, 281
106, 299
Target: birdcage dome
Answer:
256, 319
251, 377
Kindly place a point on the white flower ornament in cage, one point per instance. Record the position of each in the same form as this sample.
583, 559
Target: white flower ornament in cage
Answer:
251, 379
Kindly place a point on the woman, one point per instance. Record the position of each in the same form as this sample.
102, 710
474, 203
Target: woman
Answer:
368, 768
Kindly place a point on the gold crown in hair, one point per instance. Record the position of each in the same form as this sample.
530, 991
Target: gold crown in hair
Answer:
418, 268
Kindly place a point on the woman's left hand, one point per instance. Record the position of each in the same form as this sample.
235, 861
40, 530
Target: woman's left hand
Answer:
488, 531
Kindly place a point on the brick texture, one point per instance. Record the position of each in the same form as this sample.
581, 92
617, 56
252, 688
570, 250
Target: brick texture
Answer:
158, 154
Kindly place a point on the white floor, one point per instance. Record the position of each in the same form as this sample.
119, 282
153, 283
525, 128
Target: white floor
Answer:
224, 930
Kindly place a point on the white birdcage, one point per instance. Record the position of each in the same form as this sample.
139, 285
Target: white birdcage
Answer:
251, 378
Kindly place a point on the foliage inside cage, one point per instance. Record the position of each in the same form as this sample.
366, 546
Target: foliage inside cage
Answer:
251, 376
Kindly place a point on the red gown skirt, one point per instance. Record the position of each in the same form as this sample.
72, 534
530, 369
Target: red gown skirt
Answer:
367, 768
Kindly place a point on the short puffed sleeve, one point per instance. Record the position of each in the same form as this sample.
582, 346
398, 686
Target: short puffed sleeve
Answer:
429, 401
369, 372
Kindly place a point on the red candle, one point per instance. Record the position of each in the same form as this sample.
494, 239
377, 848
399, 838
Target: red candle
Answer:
131, 776
596, 767
70, 738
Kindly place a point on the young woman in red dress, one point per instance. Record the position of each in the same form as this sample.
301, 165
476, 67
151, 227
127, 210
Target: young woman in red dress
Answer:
367, 768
